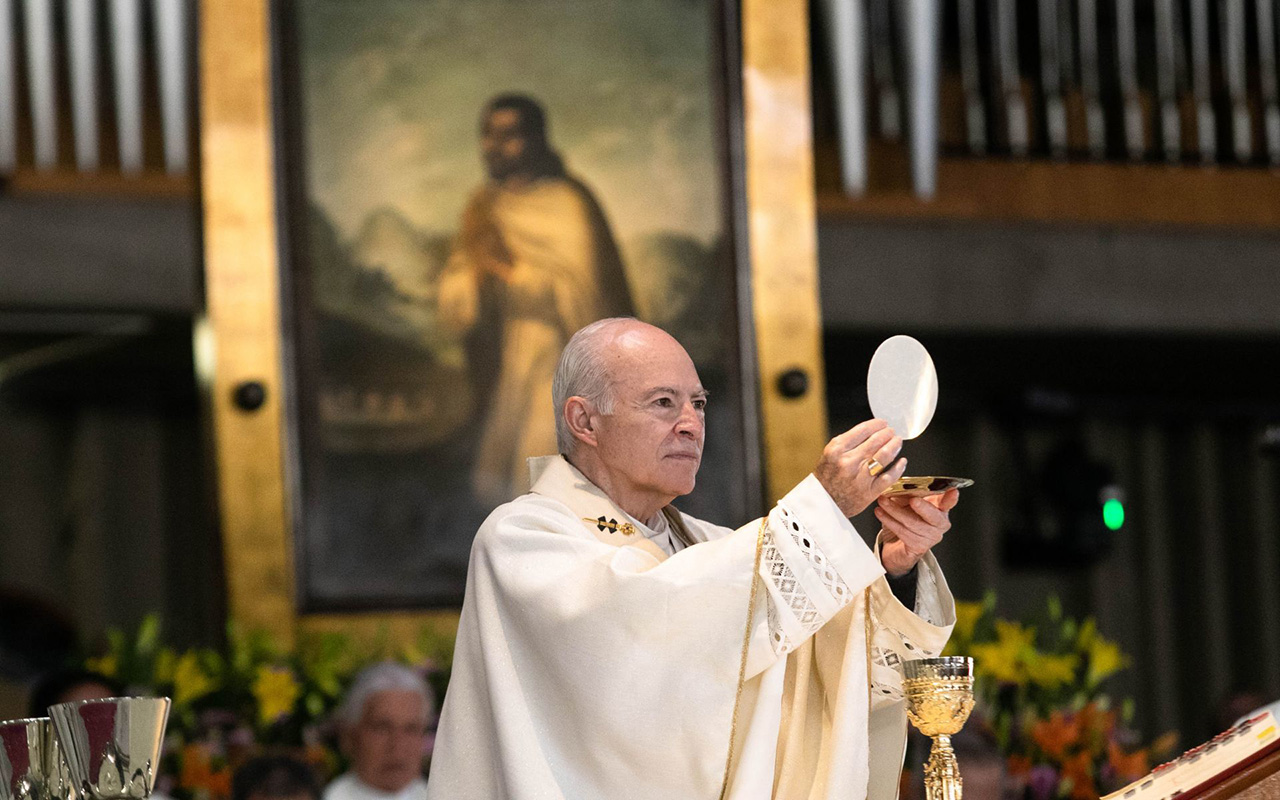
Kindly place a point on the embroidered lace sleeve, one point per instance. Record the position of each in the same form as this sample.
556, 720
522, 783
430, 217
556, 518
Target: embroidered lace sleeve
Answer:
889, 648
804, 585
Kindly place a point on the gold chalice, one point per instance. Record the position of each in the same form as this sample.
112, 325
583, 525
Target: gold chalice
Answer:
939, 698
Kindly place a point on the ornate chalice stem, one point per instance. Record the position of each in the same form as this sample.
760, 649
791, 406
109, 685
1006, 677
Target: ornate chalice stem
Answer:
942, 773
939, 698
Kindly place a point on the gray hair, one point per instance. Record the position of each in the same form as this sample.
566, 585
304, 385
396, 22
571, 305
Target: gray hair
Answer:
581, 372
385, 676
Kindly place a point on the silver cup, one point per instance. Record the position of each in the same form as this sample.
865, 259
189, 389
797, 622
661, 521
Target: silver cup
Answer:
31, 763
112, 746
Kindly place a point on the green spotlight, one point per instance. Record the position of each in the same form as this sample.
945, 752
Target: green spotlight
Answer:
1113, 513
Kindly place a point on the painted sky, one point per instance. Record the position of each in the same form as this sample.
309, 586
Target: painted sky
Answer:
393, 91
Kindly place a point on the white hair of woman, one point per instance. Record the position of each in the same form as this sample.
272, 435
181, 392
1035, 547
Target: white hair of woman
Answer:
581, 372
385, 676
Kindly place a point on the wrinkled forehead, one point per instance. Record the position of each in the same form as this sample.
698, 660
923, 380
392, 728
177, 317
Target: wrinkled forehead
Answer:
643, 359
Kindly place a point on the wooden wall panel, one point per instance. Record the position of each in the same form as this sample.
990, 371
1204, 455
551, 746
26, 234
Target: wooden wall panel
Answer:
243, 302
783, 235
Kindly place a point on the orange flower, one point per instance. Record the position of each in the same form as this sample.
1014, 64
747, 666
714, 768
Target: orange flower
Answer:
1055, 734
198, 772
1128, 767
1095, 721
1019, 766
1079, 769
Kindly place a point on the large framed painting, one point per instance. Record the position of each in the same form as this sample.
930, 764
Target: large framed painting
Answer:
464, 185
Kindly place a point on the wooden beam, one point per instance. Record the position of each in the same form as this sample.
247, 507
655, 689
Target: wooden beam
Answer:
243, 302
1055, 192
783, 235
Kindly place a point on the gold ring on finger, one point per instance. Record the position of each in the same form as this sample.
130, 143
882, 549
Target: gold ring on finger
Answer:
874, 467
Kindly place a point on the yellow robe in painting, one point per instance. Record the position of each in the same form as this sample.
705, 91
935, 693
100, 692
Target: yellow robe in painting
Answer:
549, 246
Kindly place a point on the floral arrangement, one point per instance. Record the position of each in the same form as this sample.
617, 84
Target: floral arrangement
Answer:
1039, 688
253, 696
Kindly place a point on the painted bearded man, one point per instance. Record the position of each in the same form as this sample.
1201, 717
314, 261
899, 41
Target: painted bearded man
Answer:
534, 261
613, 647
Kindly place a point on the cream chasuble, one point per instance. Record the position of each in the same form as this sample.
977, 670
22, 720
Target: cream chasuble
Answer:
590, 665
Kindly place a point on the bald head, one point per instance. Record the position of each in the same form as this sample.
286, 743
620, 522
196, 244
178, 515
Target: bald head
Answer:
592, 361
632, 413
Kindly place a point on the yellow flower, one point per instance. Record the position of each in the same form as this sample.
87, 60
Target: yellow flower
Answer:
1052, 671
276, 691
190, 681
107, 665
1088, 632
967, 616
166, 664
1005, 659
1105, 659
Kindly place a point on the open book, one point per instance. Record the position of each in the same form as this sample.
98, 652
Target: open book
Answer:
1201, 767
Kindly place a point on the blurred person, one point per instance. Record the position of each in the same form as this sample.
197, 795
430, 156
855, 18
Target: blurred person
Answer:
69, 686
383, 732
1243, 704
274, 778
534, 260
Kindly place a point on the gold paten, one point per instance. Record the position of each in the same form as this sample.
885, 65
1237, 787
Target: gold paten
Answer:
925, 485
939, 698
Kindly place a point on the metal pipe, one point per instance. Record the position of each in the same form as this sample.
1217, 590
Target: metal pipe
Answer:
82, 52
126, 42
1168, 42
1233, 65
1206, 136
170, 17
1010, 75
1090, 79
971, 77
847, 35
1127, 69
8, 90
1051, 79
882, 73
38, 16
924, 43
1267, 79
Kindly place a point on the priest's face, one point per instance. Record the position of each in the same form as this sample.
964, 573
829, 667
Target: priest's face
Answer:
387, 745
651, 442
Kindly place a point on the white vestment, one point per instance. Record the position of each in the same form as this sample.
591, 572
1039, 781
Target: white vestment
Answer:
348, 786
591, 666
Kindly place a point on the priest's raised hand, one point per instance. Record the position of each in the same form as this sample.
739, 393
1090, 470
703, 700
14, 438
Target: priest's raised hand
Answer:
858, 465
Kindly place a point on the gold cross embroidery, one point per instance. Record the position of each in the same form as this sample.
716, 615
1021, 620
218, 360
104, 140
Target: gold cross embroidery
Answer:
624, 528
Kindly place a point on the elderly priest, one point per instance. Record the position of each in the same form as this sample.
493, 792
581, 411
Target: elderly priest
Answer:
611, 647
